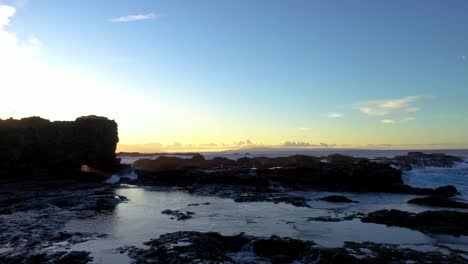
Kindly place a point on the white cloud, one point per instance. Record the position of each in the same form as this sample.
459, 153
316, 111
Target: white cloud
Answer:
387, 107
31, 87
135, 18
6, 12
304, 128
397, 121
334, 115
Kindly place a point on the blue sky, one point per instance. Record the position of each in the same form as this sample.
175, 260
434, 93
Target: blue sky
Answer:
224, 73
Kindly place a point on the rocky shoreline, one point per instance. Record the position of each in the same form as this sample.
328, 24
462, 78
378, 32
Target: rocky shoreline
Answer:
196, 247
32, 215
266, 179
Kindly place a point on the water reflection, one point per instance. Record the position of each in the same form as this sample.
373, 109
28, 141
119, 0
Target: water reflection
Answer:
140, 220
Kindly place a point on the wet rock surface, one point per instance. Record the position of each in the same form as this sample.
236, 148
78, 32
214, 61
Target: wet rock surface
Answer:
61, 257
440, 222
179, 215
32, 215
338, 173
337, 218
196, 247
235, 179
439, 201
420, 160
337, 199
244, 194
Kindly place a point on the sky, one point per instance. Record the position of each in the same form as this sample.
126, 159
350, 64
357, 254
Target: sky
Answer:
213, 75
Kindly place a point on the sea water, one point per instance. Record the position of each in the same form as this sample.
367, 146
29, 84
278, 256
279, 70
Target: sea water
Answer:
140, 219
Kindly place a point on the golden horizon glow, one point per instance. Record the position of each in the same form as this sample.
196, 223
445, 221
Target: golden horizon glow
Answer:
218, 109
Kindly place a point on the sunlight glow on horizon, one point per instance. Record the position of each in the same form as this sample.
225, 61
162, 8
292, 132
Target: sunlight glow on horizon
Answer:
197, 117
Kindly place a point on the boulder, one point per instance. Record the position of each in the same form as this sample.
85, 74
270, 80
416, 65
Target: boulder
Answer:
439, 201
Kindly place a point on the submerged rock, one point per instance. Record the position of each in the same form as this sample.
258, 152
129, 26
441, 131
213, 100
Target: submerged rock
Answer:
179, 215
337, 199
275, 198
346, 217
442, 222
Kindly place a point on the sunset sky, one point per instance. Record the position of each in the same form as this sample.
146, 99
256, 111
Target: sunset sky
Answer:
213, 75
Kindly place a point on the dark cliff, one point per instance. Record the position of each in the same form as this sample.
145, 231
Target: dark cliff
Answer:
35, 147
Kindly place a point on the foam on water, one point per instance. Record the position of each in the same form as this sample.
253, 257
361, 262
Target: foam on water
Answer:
434, 177
116, 177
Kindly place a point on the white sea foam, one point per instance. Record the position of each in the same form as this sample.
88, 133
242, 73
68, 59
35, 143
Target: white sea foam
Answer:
431, 177
116, 177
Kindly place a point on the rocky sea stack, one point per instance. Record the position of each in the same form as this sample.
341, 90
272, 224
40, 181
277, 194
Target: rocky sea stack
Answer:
38, 148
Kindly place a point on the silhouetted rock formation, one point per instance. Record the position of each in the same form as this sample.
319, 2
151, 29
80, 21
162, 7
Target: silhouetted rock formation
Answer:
443, 222
35, 147
334, 173
420, 159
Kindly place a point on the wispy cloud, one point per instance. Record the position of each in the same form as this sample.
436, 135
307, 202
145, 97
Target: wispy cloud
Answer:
463, 58
138, 17
397, 121
334, 115
387, 107
304, 128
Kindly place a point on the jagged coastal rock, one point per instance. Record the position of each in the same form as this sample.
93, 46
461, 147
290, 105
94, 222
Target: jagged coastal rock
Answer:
420, 160
33, 215
197, 247
38, 148
332, 173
